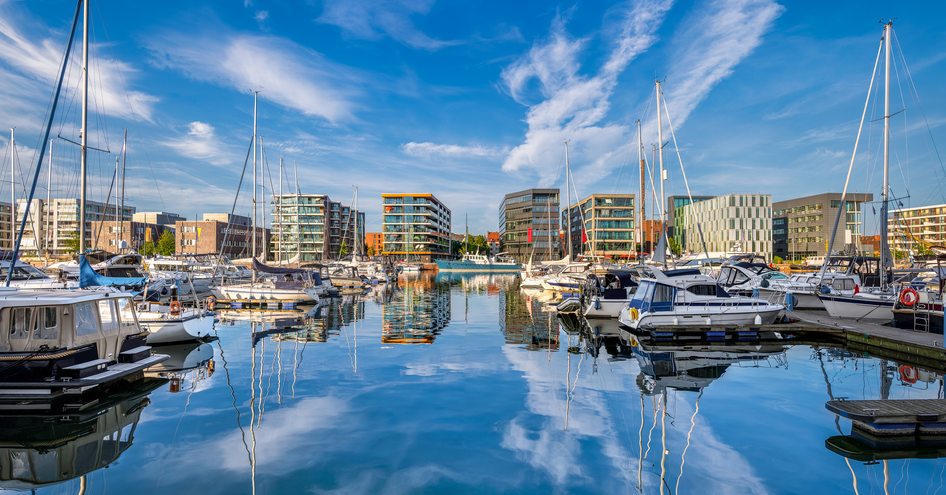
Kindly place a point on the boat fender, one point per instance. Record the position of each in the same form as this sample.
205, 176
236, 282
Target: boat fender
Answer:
175, 308
857, 289
907, 374
597, 303
211, 302
210, 367
909, 297
824, 289
757, 320
635, 314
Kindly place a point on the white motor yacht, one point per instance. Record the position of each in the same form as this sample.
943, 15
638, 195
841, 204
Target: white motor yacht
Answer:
171, 324
569, 279
604, 296
687, 298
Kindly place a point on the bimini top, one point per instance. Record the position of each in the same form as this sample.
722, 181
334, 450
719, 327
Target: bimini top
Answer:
680, 272
14, 296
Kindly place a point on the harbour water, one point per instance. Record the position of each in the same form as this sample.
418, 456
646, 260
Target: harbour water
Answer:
463, 384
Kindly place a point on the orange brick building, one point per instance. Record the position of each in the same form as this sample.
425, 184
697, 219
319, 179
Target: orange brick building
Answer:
374, 243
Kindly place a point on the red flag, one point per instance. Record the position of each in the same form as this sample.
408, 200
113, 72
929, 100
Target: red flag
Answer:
530, 234
584, 236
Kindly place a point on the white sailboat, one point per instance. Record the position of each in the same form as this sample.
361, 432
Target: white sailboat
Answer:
872, 303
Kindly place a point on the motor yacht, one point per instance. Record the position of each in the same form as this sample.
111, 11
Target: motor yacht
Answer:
687, 298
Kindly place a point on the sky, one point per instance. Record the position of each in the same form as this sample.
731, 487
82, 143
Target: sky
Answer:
472, 100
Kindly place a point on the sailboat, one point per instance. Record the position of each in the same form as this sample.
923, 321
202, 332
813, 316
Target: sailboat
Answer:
873, 303
283, 284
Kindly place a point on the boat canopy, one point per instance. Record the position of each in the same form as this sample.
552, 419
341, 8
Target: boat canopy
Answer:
276, 270
88, 277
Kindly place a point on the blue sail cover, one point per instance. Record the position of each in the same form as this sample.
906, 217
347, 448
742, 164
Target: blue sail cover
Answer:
88, 277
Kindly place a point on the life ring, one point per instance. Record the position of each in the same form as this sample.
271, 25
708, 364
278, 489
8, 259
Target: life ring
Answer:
907, 374
635, 314
175, 308
909, 297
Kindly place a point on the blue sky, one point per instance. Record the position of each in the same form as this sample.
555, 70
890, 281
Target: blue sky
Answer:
471, 100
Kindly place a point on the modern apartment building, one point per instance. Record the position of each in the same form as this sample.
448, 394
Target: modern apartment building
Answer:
158, 218
53, 226
230, 235
115, 237
734, 223
602, 225
529, 225
677, 222
416, 226
811, 218
374, 243
6, 227
313, 227
913, 230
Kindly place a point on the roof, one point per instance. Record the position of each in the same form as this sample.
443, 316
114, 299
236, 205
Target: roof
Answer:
15, 296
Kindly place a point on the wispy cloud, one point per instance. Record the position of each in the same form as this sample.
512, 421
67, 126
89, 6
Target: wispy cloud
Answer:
427, 149
201, 143
30, 66
372, 20
575, 105
289, 74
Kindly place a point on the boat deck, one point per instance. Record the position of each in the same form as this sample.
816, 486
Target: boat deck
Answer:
900, 417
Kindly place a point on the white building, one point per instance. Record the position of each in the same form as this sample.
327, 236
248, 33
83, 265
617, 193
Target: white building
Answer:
734, 223
914, 230
55, 225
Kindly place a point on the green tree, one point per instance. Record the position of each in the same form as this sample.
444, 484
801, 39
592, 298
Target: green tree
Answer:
72, 243
343, 250
147, 249
370, 251
777, 260
166, 244
674, 246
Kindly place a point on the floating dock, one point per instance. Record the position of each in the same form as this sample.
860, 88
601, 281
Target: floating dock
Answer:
894, 417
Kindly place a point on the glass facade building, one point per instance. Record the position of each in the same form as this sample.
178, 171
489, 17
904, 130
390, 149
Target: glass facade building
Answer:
531, 213
602, 225
416, 227
811, 218
314, 228
734, 223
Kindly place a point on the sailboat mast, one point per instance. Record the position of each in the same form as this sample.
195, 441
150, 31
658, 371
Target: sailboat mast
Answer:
548, 204
568, 210
12, 188
253, 235
885, 261
660, 159
643, 192
279, 216
49, 186
121, 204
84, 138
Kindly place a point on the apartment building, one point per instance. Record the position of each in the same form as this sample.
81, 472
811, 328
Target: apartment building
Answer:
811, 218
158, 218
374, 243
117, 237
602, 225
314, 228
416, 226
734, 223
230, 235
53, 227
914, 230
529, 225
677, 222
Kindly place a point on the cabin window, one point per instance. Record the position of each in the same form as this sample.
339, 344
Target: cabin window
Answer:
124, 311
86, 323
49, 323
702, 290
107, 314
22, 321
663, 294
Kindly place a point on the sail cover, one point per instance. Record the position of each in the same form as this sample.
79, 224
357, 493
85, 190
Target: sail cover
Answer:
89, 278
278, 270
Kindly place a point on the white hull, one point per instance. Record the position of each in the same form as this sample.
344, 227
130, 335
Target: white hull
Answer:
868, 308
741, 317
347, 282
255, 291
174, 330
605, 308
803, 300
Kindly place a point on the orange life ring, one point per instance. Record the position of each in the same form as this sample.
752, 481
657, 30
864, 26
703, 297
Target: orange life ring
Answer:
175, 308
907, 374
909, 297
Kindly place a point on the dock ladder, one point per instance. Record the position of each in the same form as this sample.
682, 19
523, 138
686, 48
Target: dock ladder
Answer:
921, 317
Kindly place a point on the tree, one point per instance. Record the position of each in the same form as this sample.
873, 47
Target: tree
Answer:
777, 260
166, 244
370, 251
343, 250
147, 249
674, 245
72, 243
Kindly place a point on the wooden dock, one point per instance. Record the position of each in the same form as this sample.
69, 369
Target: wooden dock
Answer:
894, 417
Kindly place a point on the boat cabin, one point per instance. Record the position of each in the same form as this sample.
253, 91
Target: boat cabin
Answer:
674, 286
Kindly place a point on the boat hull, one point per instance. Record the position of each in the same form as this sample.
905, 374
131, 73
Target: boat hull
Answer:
803, 300
605, 308
175, 330
250, 291
466, 266
859, 308
742, 317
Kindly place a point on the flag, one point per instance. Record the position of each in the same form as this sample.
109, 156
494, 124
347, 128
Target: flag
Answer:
530, 234
584, 236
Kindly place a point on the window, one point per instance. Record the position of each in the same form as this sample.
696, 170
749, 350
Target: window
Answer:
702, 290
49, 323
22, 319
86, 323
663, 294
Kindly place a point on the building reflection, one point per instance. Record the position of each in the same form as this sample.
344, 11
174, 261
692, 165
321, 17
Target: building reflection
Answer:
317, 324
38, 450
481, 283
418, 310
523, 322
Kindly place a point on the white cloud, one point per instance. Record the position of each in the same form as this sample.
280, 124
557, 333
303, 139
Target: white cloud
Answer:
261, 15
427, 149
575, 105
201, 143
284, 72
31, 65
371, 19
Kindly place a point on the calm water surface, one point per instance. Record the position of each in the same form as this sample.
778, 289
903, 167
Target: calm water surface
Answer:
465, 385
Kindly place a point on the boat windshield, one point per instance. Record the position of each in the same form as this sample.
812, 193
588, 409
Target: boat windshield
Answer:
24, 273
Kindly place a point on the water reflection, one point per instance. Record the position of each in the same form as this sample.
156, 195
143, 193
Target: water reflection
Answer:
190, 367
39, 450
417, 311
522, 321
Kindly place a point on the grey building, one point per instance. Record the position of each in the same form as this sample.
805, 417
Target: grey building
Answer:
811, 218
780, 237
529, 225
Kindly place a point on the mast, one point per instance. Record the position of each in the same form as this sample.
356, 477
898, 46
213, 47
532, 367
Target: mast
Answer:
660, 159
12, 188
279, 216
548, 203
253, 234
885, 261
49, 185
641, 211
84, 137
295, 166
354, 211
568, 210
121, 205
